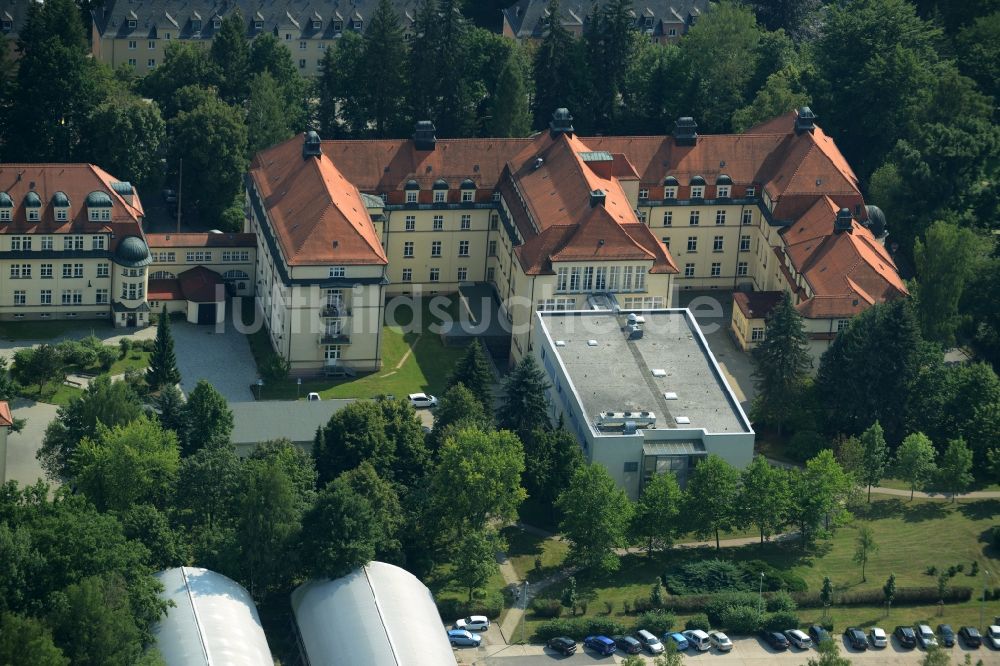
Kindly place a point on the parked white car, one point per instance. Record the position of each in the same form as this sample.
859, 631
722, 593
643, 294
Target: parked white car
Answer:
698, 639
313, 397
474, 623
419, 400
720, 641
877, 637
993, 636
799, 639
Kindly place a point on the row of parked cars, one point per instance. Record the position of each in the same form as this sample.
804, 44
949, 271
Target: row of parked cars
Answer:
460, 635
924, 636
645, 640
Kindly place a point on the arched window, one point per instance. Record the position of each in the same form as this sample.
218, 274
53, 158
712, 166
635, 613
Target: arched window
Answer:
235, 275
162, 275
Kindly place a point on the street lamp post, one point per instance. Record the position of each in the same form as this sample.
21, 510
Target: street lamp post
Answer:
982, 600
260, 387
298, 388
760, 594
524, 609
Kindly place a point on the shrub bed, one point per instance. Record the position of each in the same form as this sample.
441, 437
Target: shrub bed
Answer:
905, 596
699, 621
715, 575
658, 622
489, 605
578, 628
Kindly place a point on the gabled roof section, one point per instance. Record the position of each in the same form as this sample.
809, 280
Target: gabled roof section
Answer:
317, 215
599, 237
846, 271
6, 418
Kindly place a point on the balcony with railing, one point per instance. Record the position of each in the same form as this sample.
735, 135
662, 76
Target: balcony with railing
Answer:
335, 310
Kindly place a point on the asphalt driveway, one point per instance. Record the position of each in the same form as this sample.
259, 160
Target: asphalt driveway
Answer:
222, 358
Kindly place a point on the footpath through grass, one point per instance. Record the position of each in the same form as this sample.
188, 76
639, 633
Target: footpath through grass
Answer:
912, 536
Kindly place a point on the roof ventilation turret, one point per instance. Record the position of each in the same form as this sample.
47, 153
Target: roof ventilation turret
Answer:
843, 221
876, 221
561, 123
685, 131
311, 145
423, 135
805, 120
597, 198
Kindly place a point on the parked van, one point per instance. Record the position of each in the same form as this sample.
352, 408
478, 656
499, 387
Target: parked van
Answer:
698, 639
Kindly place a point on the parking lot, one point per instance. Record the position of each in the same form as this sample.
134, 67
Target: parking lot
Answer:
745, 652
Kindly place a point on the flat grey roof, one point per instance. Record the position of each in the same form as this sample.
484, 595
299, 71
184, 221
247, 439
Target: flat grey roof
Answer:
296, 420
616, 374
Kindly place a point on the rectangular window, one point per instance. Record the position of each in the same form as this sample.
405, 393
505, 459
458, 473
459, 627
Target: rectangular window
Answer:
496, 197
440, 196
438, 223
408, 250
601, 279
692, 243
407, 275
741, 269
45, 270
132, 62
697, 191
132, 44
688, 270
436, 249
723, 191
717, 244
46, 242
842, 324
410, 223
435, 275
61, 215
640, 278
5, 214
748, 217
463, 274
745, 243
151, 45
562, 279
67, 270
668, 218
67, 297
627, 279
467, 196
102, 297
15, 271
666, 241
670, 192
588, 278
337, 271
643, 193
642, 216
492, 248
331, 353
574, 279
97, 242
751, 192
234, 256
466, 222
411, 196
695, 218
303, 45
67, 242
20, 242
20, 297
613, 278
491, 274
302, 63
463, 248
756, 334
151, 63
46, 297
720, 217
716, 269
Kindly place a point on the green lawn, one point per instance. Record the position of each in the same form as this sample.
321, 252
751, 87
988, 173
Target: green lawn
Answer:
136, 360
411, 362
524, 547
899, 484
48, 329
911, 535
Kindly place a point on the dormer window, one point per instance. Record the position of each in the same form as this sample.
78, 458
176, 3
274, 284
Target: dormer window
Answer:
6, 26
131, 24
216, 23
5, 214
6, 207
643, 193
724, 191
648, 22
357, 24
317, 24
751, 191
258, 26
32, 206
34, 214
62, 214
697, 191
439, 196
196, 25
338, 26
670, 192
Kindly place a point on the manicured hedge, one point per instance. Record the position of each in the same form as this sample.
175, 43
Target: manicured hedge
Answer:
905, 596
699, 621
578, 628
658, 622
452, 609
545, 608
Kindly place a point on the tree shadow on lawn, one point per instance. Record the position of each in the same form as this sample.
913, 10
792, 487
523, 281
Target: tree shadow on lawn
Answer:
880, 509
915, 513
980, 509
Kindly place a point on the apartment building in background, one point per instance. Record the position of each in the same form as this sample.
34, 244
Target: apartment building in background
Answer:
659, 21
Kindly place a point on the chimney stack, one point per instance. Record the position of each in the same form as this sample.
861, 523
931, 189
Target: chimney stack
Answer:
561, 123
843, 221
423, 135
805, 120
311, 146
685, 131
597, 198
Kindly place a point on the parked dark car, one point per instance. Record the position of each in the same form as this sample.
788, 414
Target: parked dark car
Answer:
971, 637
818, 634
856, 638
628, 645
775, 639
946, 634
906, 636
563, 644
600, 644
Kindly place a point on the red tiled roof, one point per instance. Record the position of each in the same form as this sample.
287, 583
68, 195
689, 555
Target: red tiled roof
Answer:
164, 290
201, 240
317, 214
757, 304
847, 271
201, 285
76, 181
6, 418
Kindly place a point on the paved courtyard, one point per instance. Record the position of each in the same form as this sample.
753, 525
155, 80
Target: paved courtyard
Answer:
223, 358
22, 446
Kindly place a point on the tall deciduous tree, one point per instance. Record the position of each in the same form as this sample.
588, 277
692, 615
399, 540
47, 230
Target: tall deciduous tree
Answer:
459, 407
864, 547
656, 519
478, 478
765, 496
211, 138
475, 559
185, 64
208, 487
945, 260
819, 494
93, 623
523, 407
270, 517
133, 463
162, 369
353, 435
550, 459
875, 458
339, 533
231, 54
267, 114
711, 498
103, 402
783, 90
557, 69
915, 461
596, 517
209, 419
384, 60
955, 468
125, 136
473, 370
781, 363
384, 500
28, 641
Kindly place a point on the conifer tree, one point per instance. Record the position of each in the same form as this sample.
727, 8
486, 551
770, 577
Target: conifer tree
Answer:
875, 457
231, 54
557, 68
781, 363
510, 116
473, 370
524, 407
162, 369
384, 60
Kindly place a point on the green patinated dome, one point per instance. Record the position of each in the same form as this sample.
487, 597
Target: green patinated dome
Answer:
98, 199
133, 252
